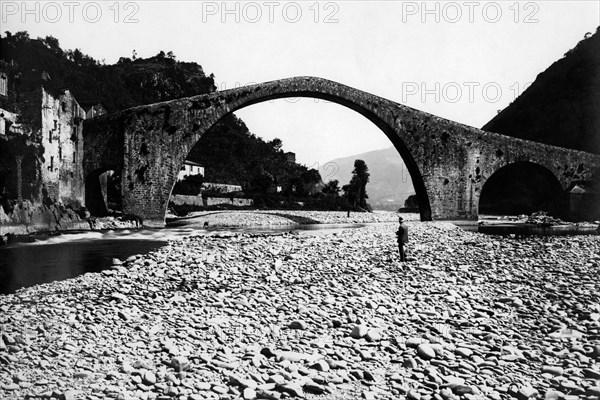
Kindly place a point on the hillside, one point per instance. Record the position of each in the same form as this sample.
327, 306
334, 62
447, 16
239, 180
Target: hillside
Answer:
229, 151
128, 83
389, 184
561, 106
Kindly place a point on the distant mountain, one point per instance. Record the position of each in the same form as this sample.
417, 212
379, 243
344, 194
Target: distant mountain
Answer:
389, 184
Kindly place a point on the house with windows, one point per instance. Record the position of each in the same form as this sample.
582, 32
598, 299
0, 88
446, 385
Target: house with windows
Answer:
62, 139
42, 140
190, 168
3, 84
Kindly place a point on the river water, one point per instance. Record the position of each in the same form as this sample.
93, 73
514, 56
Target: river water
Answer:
71, 254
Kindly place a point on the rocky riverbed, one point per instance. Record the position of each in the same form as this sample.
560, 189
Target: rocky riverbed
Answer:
229, 218
330, 316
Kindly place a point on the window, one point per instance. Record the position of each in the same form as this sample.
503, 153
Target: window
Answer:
55, 124
59, 152
3, 85
52, 163
64, 106
50, 136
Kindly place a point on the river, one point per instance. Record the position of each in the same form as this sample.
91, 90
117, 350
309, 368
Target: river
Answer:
68, 255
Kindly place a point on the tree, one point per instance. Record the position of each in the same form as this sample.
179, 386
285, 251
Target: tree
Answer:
77, 56
22, 36
261, 181
276, 144
191, 185
310, 179
332, 188
411, 201
52, 43
356, 190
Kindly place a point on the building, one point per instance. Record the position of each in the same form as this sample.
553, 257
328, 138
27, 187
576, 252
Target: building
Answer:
62, 139
190, 168
290, 157
7, 120
3, 84
42, 141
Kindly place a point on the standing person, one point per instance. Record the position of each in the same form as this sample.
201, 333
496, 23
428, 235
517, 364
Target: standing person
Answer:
402, 234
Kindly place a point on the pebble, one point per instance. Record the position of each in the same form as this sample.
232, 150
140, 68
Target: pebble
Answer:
552, 370
219, 389
527, 392
301, 325
249, 394
278, 316
425, 351
149, 378
591, 373
464, 352
359, 331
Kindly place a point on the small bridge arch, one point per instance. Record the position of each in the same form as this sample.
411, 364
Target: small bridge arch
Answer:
523, 187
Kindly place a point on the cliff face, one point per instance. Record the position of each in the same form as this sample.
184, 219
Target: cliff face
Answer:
562, 106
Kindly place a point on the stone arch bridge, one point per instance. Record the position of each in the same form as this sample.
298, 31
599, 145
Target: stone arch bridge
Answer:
448, 162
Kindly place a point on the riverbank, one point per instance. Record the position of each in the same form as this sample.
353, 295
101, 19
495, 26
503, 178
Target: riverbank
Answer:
41, 219
472, 316
230, 218
46, 221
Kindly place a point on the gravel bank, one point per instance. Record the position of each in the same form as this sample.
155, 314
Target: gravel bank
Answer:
331, 316
286, 217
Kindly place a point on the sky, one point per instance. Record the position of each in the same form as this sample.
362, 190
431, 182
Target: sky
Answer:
460, 60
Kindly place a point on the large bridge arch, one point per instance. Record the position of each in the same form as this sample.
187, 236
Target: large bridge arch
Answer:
390, 132
448, 162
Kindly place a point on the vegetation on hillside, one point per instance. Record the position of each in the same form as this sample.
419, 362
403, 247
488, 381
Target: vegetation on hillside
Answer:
128, 83
229, 152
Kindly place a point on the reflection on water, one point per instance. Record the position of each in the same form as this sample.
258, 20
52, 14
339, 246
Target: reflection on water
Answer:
466, 225
27, 265
69, 255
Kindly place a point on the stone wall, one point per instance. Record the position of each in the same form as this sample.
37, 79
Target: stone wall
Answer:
62, 138
44, 150
233, 201
180, 199
27, 218
221, 187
